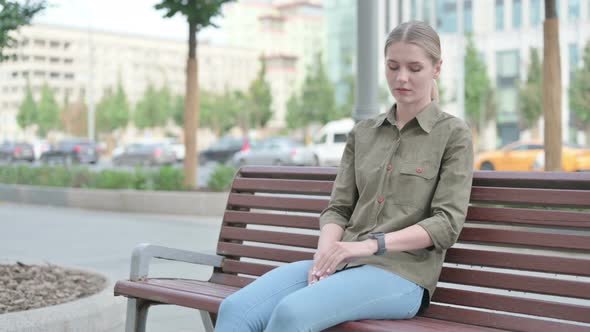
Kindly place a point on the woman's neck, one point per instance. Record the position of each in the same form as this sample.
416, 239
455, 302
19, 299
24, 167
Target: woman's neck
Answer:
406, 112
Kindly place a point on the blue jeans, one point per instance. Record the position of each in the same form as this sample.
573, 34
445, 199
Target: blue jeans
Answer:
281, 300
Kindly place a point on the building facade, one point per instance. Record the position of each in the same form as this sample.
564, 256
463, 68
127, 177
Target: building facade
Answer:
504, 31
76, 62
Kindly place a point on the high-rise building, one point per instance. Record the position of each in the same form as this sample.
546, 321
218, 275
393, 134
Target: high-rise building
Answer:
287, 34
75, 62
504, 31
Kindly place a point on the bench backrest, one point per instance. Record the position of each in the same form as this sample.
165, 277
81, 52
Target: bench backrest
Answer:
522, 262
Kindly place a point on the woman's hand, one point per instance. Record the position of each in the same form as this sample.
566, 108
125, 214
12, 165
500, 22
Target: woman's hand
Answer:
325, 262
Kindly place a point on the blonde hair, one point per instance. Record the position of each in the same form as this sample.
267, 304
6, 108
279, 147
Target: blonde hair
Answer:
422, 35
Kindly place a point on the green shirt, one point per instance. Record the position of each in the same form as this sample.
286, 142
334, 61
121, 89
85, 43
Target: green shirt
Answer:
390, 179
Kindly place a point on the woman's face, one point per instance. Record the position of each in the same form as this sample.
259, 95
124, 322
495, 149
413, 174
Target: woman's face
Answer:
409, 72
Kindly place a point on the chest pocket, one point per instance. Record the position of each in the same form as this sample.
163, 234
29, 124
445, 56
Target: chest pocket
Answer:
416, 183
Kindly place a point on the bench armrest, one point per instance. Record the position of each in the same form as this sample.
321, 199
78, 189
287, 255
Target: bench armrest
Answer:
144, 252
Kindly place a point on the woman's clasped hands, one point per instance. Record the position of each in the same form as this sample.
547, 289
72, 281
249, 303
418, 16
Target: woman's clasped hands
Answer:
327, 259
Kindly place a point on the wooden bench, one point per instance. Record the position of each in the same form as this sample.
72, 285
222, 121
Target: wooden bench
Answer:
522, 262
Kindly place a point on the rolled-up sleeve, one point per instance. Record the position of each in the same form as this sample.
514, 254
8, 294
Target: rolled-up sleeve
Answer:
344, 193
451, 197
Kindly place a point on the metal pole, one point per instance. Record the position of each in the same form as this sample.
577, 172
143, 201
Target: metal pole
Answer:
460, 61
367, 90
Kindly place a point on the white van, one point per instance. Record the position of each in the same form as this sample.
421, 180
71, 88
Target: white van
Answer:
328, 144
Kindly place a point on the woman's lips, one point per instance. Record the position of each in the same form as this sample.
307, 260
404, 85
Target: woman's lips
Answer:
403, 91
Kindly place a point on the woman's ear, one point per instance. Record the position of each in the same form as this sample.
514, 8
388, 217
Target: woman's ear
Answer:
437, 67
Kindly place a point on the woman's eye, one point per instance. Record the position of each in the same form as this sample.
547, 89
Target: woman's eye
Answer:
415, 70
393, 67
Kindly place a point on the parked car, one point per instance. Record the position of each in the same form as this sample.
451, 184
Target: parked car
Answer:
329, 143
145, 154
529, 156
68, 151
13, 151
223, 150
276, 151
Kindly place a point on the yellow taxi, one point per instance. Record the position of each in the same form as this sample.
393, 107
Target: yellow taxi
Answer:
530, 156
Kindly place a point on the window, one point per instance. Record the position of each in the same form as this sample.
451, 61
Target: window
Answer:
54, 60
68, 60
69, 76
54, 44
39, 73
25, 74
39, 58
535, 12
14, 74
340, 138
499, 15
507, 65
573, 60
573, 10
467, 16
446, 15
39, 42
54, 75
516, 13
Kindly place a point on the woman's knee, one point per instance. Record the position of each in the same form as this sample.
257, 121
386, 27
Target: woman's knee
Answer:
289, 315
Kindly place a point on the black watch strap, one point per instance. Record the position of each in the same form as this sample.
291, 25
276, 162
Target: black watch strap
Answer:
380, 237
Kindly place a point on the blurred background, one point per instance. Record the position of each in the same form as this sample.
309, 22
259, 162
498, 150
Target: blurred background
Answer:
103, 82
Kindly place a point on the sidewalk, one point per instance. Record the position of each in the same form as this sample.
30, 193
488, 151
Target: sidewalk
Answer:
103, 241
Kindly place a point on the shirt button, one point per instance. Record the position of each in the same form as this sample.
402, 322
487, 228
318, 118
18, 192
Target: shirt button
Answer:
381, 200
389, 167
419, 170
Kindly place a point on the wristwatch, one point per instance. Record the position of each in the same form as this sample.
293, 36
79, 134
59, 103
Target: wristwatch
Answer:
380, 237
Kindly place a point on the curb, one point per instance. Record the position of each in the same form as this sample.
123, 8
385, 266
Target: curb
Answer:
160, 202
101, 312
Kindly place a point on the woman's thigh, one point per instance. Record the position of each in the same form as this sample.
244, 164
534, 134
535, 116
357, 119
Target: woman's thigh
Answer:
364, 292
249, 309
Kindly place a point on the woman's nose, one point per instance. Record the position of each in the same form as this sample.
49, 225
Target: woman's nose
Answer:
402, 75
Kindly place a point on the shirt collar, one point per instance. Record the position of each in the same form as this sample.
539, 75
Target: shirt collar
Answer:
426, 118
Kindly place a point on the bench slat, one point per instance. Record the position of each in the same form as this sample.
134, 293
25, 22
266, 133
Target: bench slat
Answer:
271, 219
523, 283
255, 269
538, 263
541, 197
498, 320
526, 238
270, 254
527, 306
288, 239
283, 186
277, 203
417, 324
554, 180
230, 279
289, 172
529, 216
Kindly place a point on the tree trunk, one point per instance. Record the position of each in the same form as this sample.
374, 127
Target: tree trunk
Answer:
552, 88
191, 111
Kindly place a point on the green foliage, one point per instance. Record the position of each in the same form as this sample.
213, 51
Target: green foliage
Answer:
27, 111
222, 177
221, 112
530, 93
112, 111
478, 91
178, 110
154, 109
168, 178
48, 111
165, 178
579, 91
316, 103
197, 12
260, 99
14, 14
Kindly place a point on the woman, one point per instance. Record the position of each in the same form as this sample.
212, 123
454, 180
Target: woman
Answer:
398, 202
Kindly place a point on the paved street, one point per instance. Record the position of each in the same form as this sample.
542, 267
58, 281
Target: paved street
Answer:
103, 241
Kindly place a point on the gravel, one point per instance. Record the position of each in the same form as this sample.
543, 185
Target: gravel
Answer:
24, 287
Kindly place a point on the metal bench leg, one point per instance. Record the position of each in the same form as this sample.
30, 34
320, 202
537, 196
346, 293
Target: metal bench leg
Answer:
207, 322
137, 311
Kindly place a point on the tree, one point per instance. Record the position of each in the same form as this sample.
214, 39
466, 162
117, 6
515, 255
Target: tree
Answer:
27, 111
552, 87
316, 103
49, 112
14, 14
260, 99
579, 93
479, 92
154, 109
222, 112
530, 94
199, 14
75, 117
112, 112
